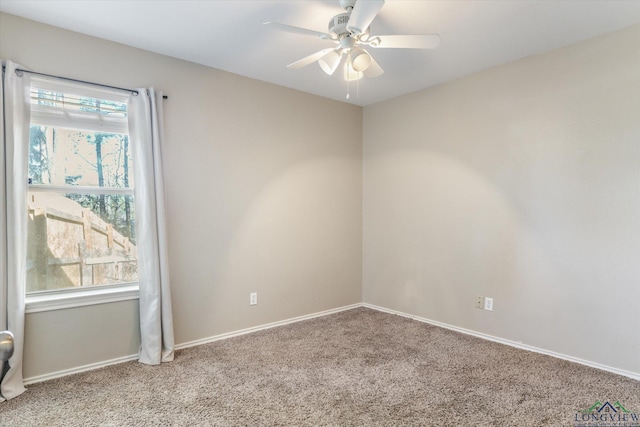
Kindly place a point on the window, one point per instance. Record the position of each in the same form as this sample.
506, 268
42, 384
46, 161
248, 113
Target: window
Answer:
81, 224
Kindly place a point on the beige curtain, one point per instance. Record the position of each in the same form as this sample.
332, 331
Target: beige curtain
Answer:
13, 218
156, 321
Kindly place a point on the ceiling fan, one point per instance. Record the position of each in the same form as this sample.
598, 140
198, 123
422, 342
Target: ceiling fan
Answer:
350, 33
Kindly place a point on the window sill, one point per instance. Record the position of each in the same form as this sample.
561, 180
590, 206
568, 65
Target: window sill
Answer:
59, 301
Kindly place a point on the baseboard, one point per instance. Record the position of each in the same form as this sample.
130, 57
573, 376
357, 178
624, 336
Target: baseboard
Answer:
265, 326
97, 365
78, 369
629, 374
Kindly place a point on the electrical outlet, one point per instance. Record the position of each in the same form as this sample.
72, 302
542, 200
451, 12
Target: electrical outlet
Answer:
488, 304
253, 298
480, 302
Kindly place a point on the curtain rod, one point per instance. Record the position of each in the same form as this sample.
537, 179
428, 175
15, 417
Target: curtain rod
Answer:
133, 91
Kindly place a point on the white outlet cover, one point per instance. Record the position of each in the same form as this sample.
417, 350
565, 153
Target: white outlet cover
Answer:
488, 304
480, 303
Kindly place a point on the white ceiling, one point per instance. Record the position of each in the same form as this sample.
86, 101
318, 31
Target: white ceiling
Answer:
229, 35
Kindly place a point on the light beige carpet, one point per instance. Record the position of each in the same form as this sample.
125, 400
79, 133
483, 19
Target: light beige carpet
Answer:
355, 368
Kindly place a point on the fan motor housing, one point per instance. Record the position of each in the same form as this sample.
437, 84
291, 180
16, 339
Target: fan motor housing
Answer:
338, 24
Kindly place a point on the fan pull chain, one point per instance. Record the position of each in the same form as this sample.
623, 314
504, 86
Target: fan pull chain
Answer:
357, 88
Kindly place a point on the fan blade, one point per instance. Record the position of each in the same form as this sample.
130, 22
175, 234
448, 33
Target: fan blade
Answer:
299, 30
363, 13
428, 41
373, 70
309, 59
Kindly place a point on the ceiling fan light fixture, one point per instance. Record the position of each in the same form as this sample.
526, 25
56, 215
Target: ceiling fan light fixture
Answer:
329, 63
360, 59
350, 34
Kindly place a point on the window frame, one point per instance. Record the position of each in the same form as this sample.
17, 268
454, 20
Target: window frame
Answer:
55, 299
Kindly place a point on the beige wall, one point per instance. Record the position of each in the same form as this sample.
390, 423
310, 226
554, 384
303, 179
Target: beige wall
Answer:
264, 194
520, 183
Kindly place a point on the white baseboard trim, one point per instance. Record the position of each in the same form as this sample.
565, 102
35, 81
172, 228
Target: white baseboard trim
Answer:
78, 369
629, 374
97, 365
266, 326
